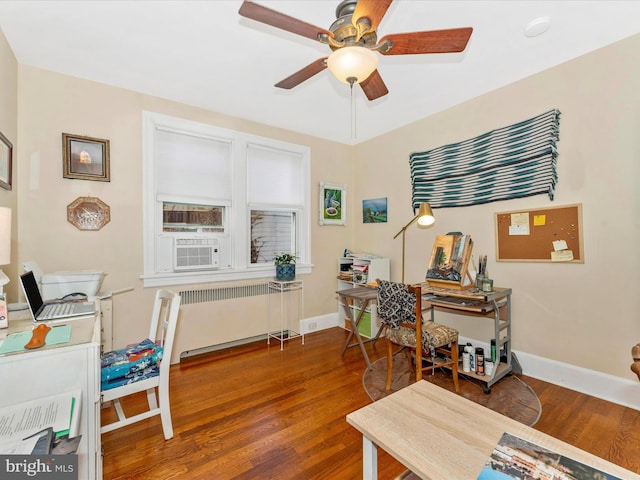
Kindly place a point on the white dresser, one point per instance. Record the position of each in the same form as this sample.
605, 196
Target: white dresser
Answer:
58, 369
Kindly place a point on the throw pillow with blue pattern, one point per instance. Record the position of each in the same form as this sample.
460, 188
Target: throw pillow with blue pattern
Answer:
130, 364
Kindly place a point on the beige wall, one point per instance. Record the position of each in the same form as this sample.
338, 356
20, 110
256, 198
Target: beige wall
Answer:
51, 104
9, 128
581, 314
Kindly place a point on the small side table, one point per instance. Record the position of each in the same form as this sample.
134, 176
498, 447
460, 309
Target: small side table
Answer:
353, 300
289, 317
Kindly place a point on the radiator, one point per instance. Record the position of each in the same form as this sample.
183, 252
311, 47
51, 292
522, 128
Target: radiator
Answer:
190, 297
201, 324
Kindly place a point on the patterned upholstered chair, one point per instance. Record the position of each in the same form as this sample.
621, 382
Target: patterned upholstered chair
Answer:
400, 310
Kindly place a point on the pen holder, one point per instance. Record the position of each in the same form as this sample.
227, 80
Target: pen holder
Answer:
479, 280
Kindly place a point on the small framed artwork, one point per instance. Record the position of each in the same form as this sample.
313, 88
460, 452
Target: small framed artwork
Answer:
85, 158
333, 204
6, 161
374, 210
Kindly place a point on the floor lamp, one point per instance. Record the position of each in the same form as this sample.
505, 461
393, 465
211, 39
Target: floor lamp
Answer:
425, 218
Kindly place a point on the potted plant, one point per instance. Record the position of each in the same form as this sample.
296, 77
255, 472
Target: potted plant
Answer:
285, 267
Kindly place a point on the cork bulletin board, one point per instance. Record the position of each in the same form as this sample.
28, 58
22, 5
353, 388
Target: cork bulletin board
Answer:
551, 234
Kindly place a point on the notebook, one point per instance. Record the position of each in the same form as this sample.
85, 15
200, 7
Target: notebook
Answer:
52, 310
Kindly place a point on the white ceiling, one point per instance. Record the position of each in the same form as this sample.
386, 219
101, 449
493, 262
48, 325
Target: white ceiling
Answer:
204, 53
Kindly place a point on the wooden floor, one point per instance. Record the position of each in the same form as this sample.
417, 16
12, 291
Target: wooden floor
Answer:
257, 412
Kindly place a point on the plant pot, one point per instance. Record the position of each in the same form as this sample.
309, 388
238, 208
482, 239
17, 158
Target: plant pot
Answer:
286, 273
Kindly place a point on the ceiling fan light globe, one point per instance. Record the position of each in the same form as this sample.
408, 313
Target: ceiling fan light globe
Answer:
348, 63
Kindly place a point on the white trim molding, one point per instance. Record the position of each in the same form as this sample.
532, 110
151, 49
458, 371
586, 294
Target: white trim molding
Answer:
591, 382
597, 384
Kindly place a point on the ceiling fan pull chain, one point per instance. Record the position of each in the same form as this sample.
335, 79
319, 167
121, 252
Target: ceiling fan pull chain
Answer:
352, 107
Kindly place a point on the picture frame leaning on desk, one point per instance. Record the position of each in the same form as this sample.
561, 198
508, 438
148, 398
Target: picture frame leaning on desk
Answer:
449, 262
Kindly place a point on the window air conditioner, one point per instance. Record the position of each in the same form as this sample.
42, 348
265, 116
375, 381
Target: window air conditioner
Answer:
196, 254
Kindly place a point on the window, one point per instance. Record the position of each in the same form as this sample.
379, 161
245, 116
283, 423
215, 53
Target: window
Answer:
272, 233
220, 204
184, 217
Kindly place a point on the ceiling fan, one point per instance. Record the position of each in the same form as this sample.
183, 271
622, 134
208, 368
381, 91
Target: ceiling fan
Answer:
353, 34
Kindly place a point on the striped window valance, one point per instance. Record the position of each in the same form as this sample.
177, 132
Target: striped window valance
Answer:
509, 162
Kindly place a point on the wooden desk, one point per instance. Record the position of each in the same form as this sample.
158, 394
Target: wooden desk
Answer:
439, 435
364, 295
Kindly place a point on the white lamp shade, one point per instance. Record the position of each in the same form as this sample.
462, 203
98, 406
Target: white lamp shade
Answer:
352, 63
5, 236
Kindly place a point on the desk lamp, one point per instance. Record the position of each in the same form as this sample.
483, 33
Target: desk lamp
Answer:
425, 218
5, 243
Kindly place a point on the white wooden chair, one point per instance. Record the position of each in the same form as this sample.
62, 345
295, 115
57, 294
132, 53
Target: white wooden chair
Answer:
162, 330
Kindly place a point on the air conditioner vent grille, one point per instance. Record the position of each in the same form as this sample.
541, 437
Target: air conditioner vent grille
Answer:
196, 254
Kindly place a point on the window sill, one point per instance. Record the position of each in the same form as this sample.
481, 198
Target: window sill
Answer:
211, 276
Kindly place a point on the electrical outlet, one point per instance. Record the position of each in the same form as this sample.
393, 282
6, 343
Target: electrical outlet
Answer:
313, 325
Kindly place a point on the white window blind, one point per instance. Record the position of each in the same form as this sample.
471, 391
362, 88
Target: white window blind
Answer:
274, 177
193, 165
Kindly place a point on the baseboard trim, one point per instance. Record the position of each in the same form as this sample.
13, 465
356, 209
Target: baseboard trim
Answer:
321, 322
221, 346
597, 384
591, 382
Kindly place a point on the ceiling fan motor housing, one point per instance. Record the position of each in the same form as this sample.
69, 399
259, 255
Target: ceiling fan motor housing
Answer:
346, 7
344, 33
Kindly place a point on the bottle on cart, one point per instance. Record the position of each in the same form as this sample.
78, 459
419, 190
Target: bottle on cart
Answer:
479, 361
493, 350
466, 361
472, 358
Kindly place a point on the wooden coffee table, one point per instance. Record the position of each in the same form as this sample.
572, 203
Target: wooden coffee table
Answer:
439, 435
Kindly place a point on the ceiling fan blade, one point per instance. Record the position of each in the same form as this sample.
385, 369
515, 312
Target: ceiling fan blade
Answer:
372, 11
280, 20
373, 87
434, 41
303, 74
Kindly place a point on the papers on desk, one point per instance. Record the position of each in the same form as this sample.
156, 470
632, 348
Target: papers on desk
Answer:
21, 425
516, 457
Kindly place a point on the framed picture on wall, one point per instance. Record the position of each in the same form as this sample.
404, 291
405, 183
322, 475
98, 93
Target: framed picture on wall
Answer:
374, 210
85, 158
6, 160
333, 204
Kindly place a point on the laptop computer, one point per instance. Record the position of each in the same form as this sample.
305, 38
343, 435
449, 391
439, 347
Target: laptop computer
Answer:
52, 310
